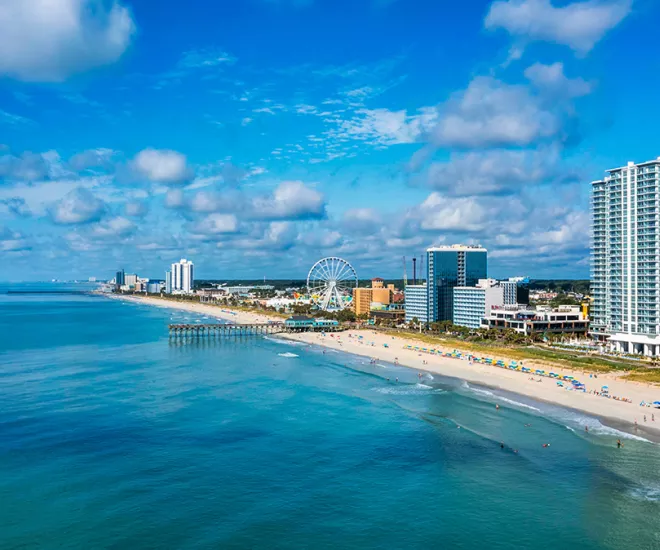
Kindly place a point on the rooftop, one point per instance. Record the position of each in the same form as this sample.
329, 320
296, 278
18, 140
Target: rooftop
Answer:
457, 248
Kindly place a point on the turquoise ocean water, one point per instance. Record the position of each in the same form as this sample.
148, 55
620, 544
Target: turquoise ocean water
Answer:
112, 436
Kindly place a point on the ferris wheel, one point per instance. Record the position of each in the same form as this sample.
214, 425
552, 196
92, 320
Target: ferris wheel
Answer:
330, 283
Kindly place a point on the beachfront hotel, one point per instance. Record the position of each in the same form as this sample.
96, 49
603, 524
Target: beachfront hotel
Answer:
625, 258
181, 277
447, 267
473, 303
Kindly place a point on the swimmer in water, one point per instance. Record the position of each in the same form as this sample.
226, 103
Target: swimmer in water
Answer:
497, 407
501, 445
618, 443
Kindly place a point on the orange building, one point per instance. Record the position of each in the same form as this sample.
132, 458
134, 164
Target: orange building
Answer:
363, 297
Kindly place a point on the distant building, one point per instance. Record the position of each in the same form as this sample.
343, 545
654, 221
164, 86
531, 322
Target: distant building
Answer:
364, 297
119, 278
155, 287
168, 282
448, 267
91, 280
299, 321
522, 319
516, 290
416, 303
130, 281
625, 256
182, 276
472, 304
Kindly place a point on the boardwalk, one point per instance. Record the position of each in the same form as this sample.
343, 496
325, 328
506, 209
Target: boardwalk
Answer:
217, 329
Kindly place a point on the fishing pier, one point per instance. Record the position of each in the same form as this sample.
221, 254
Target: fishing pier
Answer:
218, 329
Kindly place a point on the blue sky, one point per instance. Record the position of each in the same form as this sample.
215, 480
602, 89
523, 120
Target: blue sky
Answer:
257, 136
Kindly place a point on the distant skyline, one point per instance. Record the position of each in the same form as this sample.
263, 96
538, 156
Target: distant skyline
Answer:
256, 137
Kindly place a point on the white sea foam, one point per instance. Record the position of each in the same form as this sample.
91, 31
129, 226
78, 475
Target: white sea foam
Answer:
501, 398
650, 494
417, 389
576, 423
285, 342
287, 354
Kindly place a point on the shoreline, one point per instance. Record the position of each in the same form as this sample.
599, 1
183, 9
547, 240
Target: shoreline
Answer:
617, 414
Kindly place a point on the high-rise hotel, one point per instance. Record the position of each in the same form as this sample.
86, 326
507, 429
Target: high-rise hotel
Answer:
625, 278
180, 279
447, 267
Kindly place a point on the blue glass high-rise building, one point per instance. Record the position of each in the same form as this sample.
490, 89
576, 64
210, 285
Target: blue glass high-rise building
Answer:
448, 267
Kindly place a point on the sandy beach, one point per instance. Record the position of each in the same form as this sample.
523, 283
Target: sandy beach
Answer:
372, 345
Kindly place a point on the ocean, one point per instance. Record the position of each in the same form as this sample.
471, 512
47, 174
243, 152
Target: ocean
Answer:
114, 436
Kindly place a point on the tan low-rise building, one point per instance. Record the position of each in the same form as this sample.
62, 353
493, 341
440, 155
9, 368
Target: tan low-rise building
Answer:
363, 297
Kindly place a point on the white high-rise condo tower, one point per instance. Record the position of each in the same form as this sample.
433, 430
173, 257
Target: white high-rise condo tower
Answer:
182, 276
625, 258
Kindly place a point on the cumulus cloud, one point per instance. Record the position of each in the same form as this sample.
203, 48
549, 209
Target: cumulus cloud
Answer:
136, 209
27, 167
78, 207
362, 220
93, 158
494, 172
578, 25
12, 241
162, 166
292, 200
175, 199
552, 80
112, 228
49, 40
491, 113
214, 201
440, 213
216, 224
17, 206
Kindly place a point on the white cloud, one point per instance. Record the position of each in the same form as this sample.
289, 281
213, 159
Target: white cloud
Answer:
551, 79
174, 198
49, 40
118, 227
291, 200
216, 224
492, 172
78, 207
196, 59
12, 241
440, 213
490, 113
136, 209
384, 127
162, 166
93, 158
17, 206
362, 220
28, 167
578, 25
14, 119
